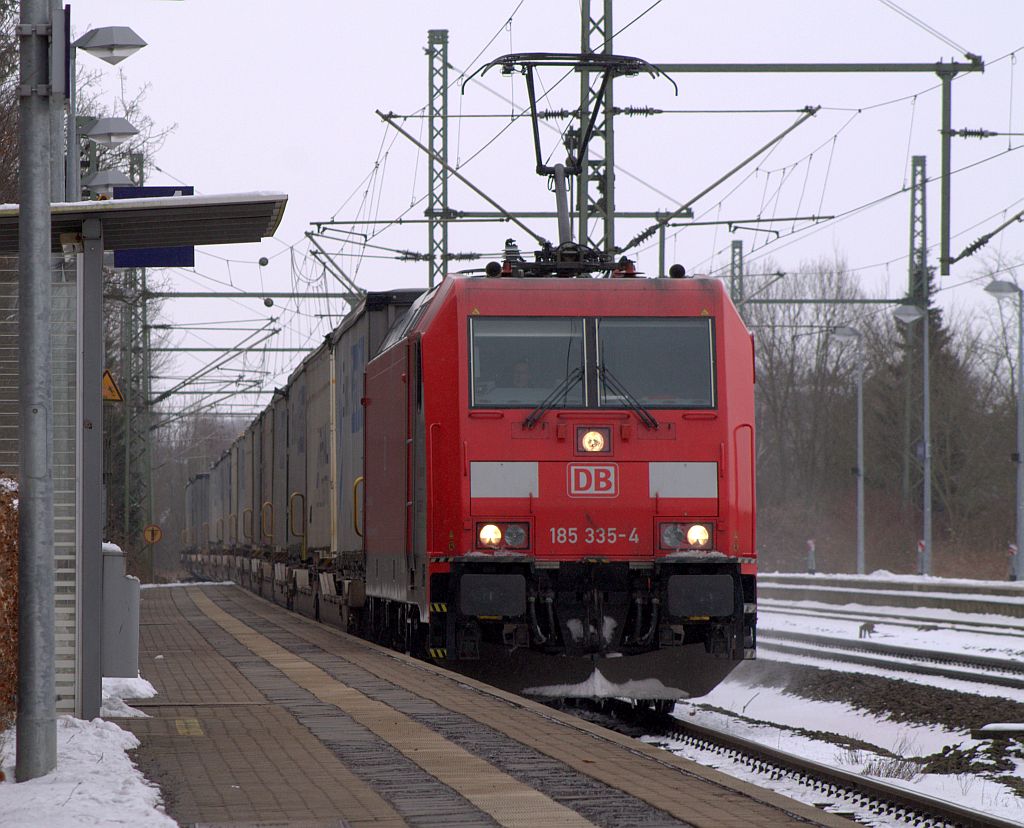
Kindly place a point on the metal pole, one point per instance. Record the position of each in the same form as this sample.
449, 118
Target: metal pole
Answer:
73, 172
147, 410
437, 210
91, 495
661, 251
860, 456
562, 203
37, 700
1018, 559
127, 335
926, 560
736, 271
947, 135
57, 38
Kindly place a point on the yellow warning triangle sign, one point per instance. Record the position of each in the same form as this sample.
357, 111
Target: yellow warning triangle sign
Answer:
110, 390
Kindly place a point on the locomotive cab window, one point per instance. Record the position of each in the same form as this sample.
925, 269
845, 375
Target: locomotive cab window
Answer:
522, 361
658, 362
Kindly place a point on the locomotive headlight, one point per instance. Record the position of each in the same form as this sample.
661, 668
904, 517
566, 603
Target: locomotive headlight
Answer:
593, 440
516, 535
671, 535
677, 536
490, 535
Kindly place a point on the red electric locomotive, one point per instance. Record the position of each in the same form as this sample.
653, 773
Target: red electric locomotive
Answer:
560, 483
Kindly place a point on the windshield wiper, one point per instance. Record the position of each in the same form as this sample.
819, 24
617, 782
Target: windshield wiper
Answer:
631, 402
561, 391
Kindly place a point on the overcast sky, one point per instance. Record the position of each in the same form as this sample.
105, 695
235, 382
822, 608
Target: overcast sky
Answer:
282, 97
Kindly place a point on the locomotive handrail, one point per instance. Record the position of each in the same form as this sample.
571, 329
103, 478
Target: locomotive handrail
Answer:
355, 504
266, 533
232, 527
291, 519
220, 529
247, 525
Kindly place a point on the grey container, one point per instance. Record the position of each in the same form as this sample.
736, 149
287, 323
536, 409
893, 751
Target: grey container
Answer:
320, 511
297, 504
280, 472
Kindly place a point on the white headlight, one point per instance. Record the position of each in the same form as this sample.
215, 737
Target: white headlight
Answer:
698, 535
490, 535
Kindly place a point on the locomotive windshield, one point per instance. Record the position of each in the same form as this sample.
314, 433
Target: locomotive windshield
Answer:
520, 361
659, 362
650, 362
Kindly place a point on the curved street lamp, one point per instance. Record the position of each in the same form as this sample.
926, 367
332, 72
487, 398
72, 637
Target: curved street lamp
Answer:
1008, 290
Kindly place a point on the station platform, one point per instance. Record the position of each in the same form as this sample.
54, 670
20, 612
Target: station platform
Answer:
264, 717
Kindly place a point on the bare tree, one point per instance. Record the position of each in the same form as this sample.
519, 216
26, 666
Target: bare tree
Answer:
8, 102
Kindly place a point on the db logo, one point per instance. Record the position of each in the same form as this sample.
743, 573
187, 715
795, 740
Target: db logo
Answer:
593, 481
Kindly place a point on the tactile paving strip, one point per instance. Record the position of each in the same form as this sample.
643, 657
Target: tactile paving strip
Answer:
416, 795
508, 801
599, 803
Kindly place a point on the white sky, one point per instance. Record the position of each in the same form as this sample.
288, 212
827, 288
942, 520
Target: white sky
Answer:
272, 97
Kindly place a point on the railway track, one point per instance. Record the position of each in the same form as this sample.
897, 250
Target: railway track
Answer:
846, 793
1012, 627
1005, 599
979, 669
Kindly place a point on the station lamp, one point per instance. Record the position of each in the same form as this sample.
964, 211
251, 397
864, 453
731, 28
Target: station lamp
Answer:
110, 43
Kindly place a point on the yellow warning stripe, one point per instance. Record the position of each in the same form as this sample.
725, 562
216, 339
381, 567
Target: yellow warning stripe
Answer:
439, 608
188, 727
438, 652
507, 800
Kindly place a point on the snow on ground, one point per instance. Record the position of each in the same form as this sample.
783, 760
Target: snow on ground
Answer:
116, 690
790, 714
779, 720
189, 584
95, 783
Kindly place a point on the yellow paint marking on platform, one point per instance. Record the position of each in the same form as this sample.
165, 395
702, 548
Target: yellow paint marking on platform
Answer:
507, 800
188, 727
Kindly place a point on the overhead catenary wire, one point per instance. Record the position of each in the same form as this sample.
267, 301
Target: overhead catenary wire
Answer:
917, 21
375, 200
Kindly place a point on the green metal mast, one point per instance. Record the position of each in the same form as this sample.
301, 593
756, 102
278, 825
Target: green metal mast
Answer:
596, 36
918, 293
437, 158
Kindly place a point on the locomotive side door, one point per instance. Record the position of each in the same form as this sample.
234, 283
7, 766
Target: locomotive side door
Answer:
416, 562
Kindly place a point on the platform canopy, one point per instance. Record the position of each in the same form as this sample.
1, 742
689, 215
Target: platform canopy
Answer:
158, 222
